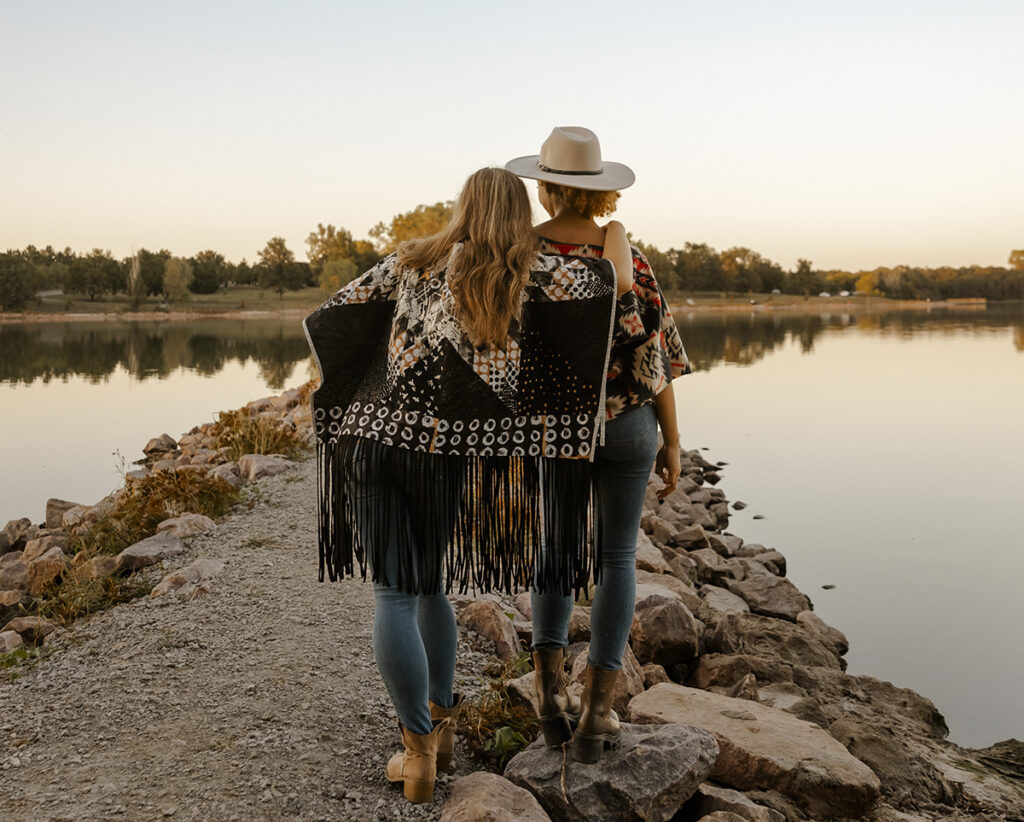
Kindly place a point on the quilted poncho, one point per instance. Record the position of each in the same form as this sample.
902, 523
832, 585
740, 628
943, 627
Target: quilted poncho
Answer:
489, 449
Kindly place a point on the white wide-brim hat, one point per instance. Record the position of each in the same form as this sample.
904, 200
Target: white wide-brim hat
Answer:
571, 156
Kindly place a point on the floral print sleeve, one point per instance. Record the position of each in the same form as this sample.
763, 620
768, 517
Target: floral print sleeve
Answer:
647, 351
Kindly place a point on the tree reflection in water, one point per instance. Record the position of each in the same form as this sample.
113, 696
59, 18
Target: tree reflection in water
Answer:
741, 338
44, 351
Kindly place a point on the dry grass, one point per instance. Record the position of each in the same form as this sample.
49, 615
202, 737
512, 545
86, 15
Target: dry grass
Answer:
141, 506
145, 502
495, 728
242, 432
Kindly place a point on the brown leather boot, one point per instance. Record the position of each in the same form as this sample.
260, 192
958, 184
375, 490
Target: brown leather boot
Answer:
416, 767
559, 710
599, 724
446, 745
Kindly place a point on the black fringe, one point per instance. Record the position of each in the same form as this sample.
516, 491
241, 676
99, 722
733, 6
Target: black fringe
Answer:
485, 519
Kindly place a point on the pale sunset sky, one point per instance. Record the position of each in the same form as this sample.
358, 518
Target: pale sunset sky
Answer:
855, 134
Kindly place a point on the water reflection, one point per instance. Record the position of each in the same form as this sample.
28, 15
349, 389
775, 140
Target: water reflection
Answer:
742, 338
44, 351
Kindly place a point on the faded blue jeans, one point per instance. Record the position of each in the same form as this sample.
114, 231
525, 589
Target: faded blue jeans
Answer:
624, 464
414, 635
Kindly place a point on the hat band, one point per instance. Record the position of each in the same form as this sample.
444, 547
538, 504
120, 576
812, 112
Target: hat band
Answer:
559, 171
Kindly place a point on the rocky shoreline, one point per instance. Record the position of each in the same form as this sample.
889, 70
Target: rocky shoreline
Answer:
241, 687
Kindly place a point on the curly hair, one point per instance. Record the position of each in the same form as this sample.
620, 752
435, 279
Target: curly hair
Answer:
587, 203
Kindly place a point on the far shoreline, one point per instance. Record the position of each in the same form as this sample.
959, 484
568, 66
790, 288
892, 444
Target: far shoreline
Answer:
789, 303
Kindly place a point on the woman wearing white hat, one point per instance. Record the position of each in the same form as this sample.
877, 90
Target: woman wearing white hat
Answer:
574, 186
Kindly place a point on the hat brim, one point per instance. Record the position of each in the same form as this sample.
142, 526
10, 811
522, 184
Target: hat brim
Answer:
612, 177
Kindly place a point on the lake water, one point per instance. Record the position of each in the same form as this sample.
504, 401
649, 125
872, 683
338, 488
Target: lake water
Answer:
885, 452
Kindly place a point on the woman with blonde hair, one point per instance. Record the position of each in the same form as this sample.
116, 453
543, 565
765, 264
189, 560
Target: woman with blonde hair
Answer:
574, 187
461, 403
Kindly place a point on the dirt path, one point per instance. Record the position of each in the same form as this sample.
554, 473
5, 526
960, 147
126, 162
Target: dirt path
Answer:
260, 700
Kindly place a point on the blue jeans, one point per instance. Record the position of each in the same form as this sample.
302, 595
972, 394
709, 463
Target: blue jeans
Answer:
624, 464
414, 635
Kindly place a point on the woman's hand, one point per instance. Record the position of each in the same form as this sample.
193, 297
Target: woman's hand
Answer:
667, 467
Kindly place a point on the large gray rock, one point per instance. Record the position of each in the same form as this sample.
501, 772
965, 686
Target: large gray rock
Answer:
836, 638
55, 509
488, 618
724, 671
18, 532
772, 639
190, 581
647, 778
770, 595
711, 799
683, 591
150, 551
45, 569
487, 797
252, 467
159, 445
33, 629
10, 641
664, 631
35, 548
763, 747
13, 571
649, 557
723, 601
186, 525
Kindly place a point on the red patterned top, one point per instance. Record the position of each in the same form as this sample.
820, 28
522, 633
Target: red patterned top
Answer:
647, 352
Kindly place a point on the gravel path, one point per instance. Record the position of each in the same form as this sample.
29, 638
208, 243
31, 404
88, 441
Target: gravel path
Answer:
260, 700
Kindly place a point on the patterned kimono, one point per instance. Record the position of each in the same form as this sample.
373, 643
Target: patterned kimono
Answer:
490, 447
648, 352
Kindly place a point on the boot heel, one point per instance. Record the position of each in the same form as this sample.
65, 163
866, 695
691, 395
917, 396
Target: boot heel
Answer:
418, 791
556, 729
587, 748
444, 763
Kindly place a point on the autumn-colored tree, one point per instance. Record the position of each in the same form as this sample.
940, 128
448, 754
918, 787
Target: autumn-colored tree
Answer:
1017, 259
867, 283
328, 243
336, 273
177, 276
422, 221
277, 267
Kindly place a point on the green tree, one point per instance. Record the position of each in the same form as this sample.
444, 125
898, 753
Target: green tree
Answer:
93, 274
277, 267
17, 281
177, 276
422, 221
209, 272
151, 265
699, 268
804, 280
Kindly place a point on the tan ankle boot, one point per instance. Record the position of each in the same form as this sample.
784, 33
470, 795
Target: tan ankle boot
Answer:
446, 744
599, 724
416, 767
559, 710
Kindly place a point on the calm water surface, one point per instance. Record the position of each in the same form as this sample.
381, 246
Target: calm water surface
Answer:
884, 451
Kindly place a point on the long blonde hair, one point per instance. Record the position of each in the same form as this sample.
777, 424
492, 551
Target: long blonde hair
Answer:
493, 221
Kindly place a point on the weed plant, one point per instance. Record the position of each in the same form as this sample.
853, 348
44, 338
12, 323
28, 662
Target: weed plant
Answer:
496, 728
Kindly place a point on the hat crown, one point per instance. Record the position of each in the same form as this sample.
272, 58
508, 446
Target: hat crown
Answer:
571, 150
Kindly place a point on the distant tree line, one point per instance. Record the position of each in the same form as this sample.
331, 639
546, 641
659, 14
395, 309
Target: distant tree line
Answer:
699, 267
335, 257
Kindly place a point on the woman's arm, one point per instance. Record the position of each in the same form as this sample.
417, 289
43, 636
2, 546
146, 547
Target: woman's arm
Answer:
616, 249
667, 464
